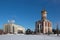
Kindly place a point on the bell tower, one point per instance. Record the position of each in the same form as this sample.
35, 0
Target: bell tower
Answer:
44, 14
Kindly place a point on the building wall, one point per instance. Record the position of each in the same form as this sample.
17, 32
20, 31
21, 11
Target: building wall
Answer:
44, 25
13, 28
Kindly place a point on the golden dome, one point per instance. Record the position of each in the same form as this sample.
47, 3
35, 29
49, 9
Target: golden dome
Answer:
44, 11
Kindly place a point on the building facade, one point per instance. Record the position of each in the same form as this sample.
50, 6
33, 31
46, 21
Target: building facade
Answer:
13, 28
43, 25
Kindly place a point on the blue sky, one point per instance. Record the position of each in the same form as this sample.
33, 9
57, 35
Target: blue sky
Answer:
27, 12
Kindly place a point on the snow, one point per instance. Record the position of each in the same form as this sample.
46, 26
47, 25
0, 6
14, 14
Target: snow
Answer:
28, 37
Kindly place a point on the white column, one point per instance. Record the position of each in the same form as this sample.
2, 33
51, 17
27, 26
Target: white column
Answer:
44, 27
11, 28
47, 27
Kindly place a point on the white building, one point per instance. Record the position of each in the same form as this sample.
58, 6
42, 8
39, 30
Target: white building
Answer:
13, 28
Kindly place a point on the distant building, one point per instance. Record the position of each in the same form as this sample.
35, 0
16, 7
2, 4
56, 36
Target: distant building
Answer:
43, 25
13, 28
1, 31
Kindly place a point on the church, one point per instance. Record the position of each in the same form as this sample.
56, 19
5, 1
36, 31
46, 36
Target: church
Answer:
44, 25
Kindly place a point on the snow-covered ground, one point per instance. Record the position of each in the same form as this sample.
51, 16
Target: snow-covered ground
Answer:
28, 37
